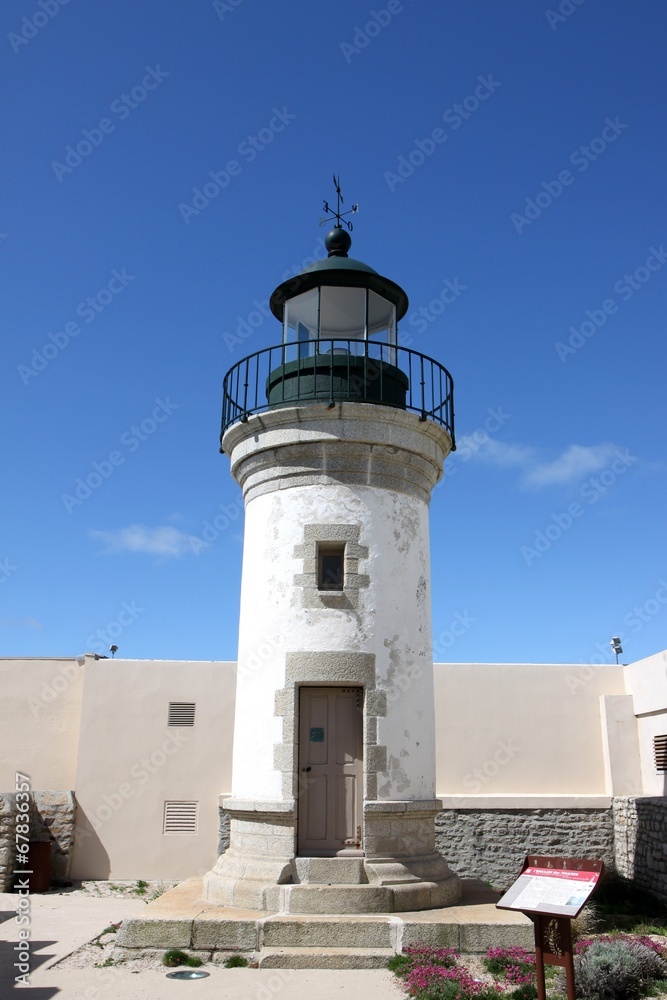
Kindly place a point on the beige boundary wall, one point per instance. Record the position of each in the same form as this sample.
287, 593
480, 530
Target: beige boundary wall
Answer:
522, 750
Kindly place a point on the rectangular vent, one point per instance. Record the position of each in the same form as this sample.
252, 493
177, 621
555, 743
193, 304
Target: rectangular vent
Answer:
180, 817
660, 753
181, 713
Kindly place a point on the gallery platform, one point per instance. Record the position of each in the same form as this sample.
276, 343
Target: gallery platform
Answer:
182, 918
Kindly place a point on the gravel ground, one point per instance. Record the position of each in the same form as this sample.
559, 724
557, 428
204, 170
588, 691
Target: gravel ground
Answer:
99, 953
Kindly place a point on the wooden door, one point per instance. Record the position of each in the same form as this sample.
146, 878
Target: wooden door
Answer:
330, 771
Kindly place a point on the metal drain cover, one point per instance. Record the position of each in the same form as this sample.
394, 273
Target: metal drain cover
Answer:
188, 974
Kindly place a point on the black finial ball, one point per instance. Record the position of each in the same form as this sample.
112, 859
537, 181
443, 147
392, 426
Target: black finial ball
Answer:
338, 242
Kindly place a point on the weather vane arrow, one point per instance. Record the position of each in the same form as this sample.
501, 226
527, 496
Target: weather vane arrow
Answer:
337, 214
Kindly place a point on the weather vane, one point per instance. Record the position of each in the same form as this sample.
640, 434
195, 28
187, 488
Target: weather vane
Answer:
338, 215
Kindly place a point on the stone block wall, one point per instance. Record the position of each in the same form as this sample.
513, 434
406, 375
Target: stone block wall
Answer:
491, 844
6, 840
640, 835
52, 816
224, 820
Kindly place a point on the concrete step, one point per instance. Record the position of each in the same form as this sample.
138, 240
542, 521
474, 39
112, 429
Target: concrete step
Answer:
324, 958
316, 898
331, 871
301, 931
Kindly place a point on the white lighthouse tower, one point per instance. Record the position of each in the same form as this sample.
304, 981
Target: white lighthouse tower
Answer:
336, 436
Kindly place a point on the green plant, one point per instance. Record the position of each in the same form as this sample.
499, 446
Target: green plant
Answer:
399, 964
622, 896
236, 962
105, 964
515, 964
141, 887
527, 991
175, 957
111, 929
617, 969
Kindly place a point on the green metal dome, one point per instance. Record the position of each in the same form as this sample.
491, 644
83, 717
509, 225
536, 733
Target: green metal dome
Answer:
338, 270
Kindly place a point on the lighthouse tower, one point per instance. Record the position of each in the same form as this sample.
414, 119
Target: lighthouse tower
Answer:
336, 436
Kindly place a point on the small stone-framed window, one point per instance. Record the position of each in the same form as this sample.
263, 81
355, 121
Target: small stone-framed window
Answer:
331, 566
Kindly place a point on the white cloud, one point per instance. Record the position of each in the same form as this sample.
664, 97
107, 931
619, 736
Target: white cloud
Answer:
22, 623
537, 472
505, 456
574, 463
163, 540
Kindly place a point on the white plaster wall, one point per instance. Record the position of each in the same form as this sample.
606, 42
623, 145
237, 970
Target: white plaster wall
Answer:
620, 745
646, 681
130, 761
40, 708
521, 728
392, 622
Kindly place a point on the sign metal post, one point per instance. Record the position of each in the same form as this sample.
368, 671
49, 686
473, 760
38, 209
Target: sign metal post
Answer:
551, 891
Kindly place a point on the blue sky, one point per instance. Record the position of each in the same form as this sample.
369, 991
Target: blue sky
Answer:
509, 161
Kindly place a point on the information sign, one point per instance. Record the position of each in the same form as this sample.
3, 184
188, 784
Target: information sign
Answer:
551, 889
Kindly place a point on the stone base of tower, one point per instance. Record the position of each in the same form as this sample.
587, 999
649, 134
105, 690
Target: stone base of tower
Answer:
399, 871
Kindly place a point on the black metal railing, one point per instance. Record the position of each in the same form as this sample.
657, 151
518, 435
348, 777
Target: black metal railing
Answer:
339, 370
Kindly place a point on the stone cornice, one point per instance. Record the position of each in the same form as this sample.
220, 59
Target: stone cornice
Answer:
350, 443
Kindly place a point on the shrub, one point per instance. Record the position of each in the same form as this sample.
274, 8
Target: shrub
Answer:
616, 969
175, 957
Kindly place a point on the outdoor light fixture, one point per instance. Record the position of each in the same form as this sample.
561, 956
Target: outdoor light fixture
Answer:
616, 645
113, 650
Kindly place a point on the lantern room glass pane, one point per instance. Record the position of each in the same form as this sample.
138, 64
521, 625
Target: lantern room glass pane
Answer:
342, 313
300, 323
381, 319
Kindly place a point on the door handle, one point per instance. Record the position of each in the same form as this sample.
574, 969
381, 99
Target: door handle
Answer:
305, 769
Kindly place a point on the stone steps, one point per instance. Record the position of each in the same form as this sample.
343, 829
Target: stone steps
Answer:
330, 932
324, 958
181, 918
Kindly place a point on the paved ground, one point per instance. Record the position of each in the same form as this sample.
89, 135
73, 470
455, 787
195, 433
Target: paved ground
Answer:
62, 923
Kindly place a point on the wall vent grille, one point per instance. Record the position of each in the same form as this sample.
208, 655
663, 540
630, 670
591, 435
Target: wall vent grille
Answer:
660, 753
180, 817
181, 713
